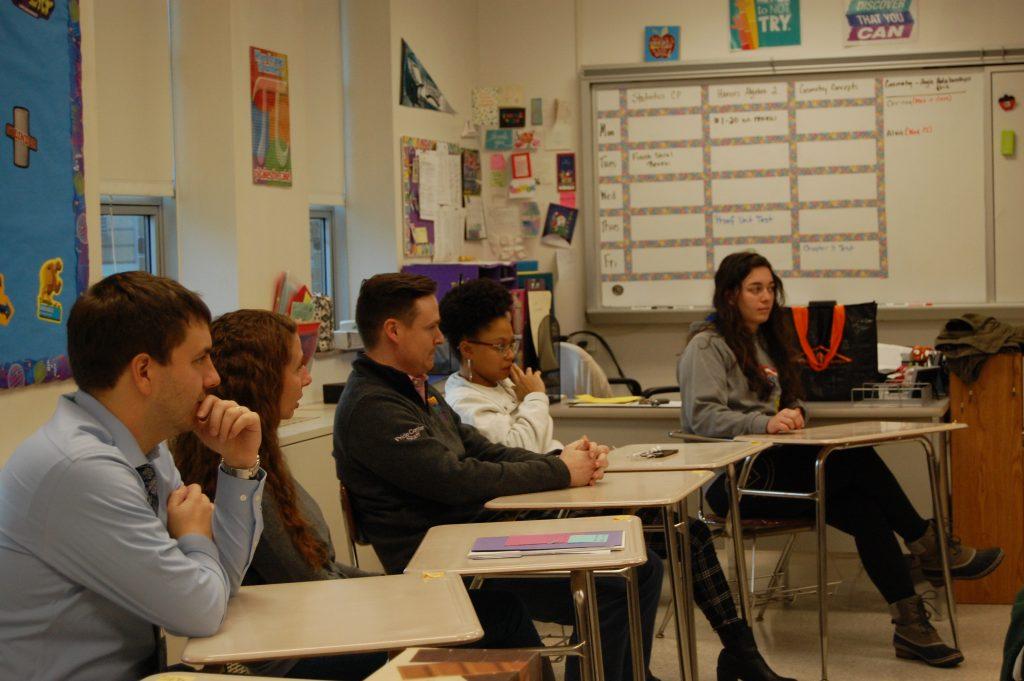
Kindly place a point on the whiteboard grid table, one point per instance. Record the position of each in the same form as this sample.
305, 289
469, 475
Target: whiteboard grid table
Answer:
687, 163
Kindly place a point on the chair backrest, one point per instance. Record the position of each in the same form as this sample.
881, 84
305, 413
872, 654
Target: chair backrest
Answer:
355, 536
580, 374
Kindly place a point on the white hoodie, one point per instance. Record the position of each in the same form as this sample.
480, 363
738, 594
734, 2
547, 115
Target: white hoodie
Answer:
500, 417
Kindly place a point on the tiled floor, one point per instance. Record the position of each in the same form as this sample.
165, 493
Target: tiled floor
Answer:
860, 636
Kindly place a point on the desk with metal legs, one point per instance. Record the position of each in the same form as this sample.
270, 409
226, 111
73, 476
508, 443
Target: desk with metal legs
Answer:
301, 619
847, 436
697, 456
666, 490
445, 548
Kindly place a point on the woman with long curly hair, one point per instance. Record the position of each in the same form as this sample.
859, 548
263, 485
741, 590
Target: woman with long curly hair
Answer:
259, 358
738, 376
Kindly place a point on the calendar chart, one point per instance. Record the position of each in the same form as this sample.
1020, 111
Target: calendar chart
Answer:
801, 170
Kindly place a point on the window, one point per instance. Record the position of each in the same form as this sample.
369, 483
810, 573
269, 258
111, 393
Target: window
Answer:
327, 257
321, 228
130, 236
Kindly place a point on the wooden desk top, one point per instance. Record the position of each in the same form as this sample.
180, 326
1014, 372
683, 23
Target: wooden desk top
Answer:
333, 617
446, 547
616, 490
692, 456
859, 432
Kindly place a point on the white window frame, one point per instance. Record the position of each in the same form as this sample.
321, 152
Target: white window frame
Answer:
149, 208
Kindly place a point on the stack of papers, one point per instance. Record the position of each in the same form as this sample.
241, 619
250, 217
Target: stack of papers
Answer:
517, 546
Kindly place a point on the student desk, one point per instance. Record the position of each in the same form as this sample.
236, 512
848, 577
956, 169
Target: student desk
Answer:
334, 617
624, 424
698, 456
666, 490
833, 438
446, 548
616, 426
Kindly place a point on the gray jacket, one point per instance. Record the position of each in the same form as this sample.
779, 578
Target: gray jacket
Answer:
410, 465
717, 402
277, 560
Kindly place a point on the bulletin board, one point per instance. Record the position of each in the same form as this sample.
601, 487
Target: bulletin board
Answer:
857, 183
411, 219
43, 255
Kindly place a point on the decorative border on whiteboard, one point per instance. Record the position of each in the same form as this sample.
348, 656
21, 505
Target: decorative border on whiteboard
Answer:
796, 238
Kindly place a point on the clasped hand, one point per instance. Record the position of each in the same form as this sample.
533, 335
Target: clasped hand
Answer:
585, 460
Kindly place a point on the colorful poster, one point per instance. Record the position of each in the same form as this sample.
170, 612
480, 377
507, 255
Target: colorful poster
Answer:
559, 226
470, 172
874, 21
418, 89
566, 164
661, 43
271, 120
44, 260
754, 24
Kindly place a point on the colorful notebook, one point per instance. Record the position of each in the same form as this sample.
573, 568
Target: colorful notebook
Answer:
515, 546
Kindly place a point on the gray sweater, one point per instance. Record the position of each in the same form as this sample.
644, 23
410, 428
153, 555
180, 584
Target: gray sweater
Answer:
717, 402
277, 560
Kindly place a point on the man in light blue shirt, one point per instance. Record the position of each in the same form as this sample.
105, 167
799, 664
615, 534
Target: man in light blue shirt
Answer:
99, 540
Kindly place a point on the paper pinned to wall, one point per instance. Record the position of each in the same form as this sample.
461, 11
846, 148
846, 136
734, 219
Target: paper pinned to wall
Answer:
511, 95
476, 228
448, 233
567, 265
560, 135
440, 175
485, 107
429, 171
453, 180
544, 168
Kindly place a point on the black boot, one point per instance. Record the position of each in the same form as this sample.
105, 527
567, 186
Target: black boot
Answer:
740, 660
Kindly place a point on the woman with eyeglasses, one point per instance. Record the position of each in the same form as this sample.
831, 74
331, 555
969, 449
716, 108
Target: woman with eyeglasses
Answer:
490, 392
509, 405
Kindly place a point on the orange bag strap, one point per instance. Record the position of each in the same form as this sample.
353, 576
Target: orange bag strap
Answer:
801, 321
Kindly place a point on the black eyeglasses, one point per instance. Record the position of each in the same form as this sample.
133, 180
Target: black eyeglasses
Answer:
500, 348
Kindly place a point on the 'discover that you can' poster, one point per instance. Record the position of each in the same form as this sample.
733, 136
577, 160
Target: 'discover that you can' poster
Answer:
44, 259
271, 134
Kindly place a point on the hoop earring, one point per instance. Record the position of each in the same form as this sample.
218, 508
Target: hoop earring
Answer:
469, 369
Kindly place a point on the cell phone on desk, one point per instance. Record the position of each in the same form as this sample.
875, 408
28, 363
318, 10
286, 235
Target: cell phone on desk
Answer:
656, 453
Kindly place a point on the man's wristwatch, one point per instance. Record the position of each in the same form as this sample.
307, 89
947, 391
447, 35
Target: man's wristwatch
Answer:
243, 473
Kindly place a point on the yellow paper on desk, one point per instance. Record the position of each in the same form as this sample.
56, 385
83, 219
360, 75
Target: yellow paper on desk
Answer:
590, 399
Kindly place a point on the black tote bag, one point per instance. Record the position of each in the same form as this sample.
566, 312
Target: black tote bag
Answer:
838, 348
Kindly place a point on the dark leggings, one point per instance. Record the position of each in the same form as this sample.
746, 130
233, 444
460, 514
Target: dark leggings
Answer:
862, 499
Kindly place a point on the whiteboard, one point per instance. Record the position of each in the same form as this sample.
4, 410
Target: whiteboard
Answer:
856, 186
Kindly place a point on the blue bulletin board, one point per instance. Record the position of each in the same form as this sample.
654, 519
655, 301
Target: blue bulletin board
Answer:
44, 260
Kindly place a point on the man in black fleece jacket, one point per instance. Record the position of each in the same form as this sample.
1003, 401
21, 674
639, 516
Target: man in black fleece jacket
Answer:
409, 463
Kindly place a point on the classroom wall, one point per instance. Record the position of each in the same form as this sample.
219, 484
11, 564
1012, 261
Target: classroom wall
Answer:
611, 32
232, 237
541, 45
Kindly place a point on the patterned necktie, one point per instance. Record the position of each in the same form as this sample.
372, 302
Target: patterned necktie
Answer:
148, 475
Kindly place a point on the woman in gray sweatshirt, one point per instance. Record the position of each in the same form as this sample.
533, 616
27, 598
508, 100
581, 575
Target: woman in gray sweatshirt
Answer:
738, 376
